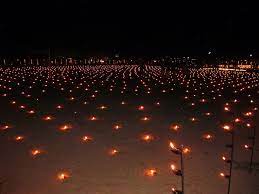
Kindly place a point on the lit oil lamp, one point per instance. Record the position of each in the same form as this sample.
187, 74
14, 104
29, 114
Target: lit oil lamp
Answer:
186, 150
237, 120
31, 112
225, 159
141, 108
5, 127
248, 114
226, 109
113, 152
175, 191
176, 171
93, 118
207, 137
147, 137
59, 107
145, 118
227, 128
248, 125
117, 127
22, 107
19, 138
36, 152
103, 107
248, 147
175, 127
207, 113
193, 119
63, 176
87, 138
224, 175
47, 118
71, 98
150, 172
65, 127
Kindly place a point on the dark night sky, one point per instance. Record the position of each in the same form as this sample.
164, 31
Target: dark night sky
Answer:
156, 27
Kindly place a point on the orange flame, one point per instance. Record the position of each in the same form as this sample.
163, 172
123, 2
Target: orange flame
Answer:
113, 152
151, 172
65, 127
86, 138
36, 152
19, 138
141, 108
147, 137
62, 176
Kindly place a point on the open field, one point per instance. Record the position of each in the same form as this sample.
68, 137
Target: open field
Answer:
99, 129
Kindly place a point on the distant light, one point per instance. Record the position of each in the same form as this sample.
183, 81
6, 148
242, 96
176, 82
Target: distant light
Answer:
209, 52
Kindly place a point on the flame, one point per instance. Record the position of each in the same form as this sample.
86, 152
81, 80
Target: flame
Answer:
150, 172
237, 120
31, 112
22, 107
19, 138
36, 152
226, 109
65, 127
193, 119
117, 127
173, 168
141, 108
113, 152
207, 136
248, 114
103, 107
145, 119
93, 118
175, 127
62, 176
59, 107
5, 127
186, 150
173, 146
87, 138
47, 118
147, 137
227, 127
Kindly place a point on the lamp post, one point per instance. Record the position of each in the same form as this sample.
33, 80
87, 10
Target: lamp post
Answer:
252, 150
229, 130
179, 172
252, 146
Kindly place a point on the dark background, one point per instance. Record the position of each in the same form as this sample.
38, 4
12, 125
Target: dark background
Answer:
84, 27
